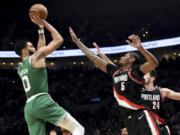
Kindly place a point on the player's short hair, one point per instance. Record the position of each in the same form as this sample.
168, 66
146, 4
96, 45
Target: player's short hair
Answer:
136, 56
52, 130
153, 73
19, 45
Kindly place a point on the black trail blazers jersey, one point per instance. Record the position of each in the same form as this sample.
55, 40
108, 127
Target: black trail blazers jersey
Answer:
153, 100
127, 88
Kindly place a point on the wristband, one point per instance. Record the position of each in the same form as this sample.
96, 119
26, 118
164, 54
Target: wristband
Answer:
41, 31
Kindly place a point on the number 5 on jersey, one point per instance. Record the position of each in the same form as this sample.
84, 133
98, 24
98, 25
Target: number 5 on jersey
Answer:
122, 86
26, 83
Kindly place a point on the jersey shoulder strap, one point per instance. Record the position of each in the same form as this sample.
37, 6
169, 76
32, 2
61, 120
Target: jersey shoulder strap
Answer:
161, 92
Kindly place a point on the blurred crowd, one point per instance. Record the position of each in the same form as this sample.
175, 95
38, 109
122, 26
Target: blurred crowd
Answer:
87, 94
107, 30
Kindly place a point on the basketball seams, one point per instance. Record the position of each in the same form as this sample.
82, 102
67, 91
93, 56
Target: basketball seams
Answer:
38, 10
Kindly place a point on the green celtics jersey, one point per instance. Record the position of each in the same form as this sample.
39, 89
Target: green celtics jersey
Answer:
34, 79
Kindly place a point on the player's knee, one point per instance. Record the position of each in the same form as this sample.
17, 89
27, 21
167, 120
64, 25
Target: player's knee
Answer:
82, 129
69, 123
79, 130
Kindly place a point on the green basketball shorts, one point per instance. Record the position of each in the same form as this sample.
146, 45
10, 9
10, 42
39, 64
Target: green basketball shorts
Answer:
40, 110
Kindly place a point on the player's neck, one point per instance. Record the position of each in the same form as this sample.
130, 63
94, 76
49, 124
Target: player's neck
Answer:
23, 57
149, 87
125, 68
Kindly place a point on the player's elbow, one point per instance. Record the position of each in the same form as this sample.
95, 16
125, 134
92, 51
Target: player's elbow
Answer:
155, 64
59, 41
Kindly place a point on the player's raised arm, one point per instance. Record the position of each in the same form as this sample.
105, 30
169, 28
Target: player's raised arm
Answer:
91, 55
152, 62
104, 57
57, 40
171, 94
42, 40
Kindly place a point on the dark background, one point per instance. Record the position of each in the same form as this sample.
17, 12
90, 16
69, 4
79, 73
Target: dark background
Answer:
106, 22
74, 82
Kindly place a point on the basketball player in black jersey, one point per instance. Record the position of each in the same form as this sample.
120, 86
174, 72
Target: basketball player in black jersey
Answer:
153, 97
127, 85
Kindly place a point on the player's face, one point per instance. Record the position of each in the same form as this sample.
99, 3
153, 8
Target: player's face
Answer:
147, 78
30, 48
124, 59
124, 131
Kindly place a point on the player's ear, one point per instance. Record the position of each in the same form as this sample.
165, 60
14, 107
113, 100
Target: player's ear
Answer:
152, 79
132, 60
24, 51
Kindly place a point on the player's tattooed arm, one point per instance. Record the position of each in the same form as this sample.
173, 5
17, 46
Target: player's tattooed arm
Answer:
57, 41
42, 40
37, 56
91, 55
104, 57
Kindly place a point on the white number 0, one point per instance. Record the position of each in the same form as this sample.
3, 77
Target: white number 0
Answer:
26, 83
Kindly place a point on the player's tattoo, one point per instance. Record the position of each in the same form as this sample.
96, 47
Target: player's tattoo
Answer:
37, 56
92, 56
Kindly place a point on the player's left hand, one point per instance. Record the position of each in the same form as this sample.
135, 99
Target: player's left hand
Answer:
136, 42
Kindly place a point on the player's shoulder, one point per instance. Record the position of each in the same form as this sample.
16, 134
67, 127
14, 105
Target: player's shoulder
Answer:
136, 68
166, 89
111, 68
26, 59
112, 65
136, 75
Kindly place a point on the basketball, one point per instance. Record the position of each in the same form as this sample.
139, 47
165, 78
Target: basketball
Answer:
38, 10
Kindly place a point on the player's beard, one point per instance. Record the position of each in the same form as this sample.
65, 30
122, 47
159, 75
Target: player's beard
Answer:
147, 82
31, 52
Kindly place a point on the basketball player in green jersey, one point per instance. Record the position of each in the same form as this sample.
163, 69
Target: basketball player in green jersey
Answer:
40, 107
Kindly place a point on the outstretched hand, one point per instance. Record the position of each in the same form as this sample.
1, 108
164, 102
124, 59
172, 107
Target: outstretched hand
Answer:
73, 35
97, 47
36, 20
136, 42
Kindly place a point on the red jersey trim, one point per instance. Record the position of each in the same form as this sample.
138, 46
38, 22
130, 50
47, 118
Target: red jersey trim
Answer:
159, 119
127, 101
161, 91
129, 73
116, 72
154, 125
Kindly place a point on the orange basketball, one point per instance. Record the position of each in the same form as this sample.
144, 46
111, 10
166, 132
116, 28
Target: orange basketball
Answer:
38, 10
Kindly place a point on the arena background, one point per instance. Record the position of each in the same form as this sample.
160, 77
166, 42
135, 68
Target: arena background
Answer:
74, 82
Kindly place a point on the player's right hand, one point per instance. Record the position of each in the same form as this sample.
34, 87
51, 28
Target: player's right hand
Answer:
73, 35
97, 47
36, 20
136, 42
